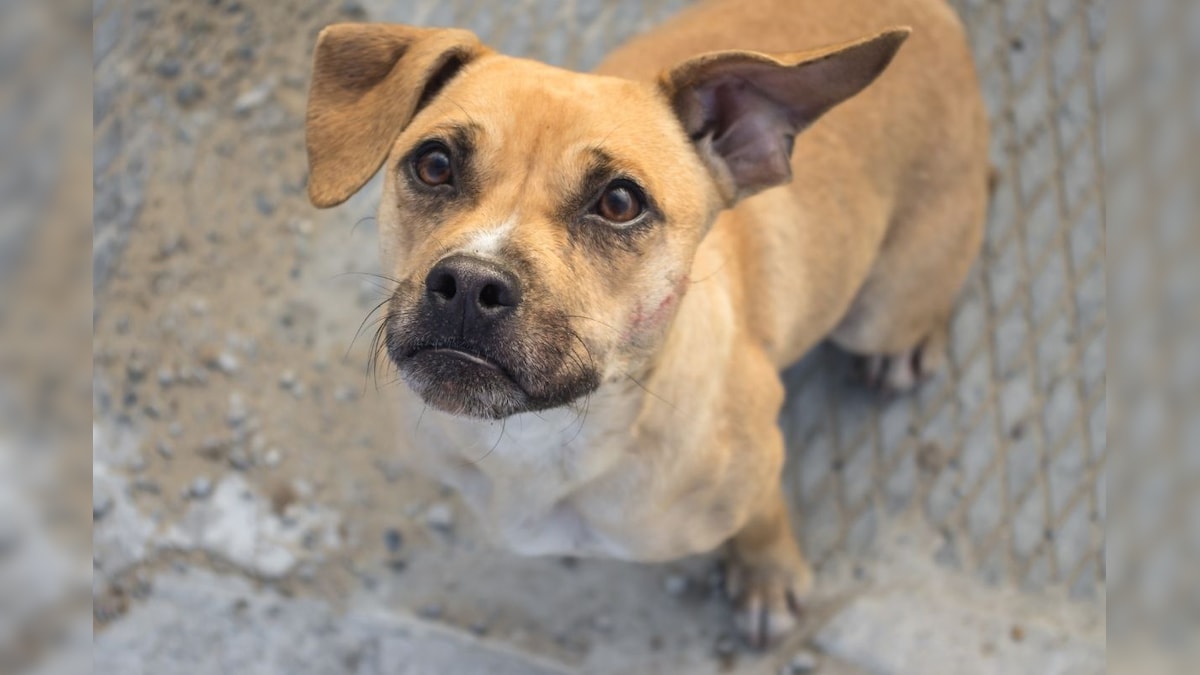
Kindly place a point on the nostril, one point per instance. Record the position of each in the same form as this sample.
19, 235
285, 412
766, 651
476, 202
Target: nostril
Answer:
443, 285
491, 296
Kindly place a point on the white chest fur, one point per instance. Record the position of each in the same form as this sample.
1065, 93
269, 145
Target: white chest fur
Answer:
555, 483
543, 484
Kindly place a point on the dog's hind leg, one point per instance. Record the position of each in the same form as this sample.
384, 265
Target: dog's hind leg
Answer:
898, 321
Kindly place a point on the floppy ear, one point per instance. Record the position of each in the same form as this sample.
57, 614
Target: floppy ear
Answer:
369, 80
743, 109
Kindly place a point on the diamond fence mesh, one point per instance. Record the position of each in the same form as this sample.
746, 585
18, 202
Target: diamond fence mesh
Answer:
1006, 452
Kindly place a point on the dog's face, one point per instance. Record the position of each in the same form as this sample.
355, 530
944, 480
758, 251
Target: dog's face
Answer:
541, 229
539, 224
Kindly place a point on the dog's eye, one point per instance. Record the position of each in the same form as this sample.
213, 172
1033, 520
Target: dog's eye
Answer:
621, 202
433, 166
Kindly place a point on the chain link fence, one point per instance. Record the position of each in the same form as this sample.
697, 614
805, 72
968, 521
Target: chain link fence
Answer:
1006, 453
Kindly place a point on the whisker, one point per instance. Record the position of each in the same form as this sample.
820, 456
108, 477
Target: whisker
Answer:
362, 325
360, 221
424, 407
647, 390
588, 318
503, 426
709, 275
366, 274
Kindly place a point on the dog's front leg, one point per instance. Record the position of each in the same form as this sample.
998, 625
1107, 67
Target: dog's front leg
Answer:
767, 577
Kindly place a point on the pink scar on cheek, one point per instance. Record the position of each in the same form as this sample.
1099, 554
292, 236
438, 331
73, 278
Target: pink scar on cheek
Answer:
643, 320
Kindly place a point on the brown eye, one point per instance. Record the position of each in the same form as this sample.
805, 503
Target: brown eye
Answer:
433, 166
620, 203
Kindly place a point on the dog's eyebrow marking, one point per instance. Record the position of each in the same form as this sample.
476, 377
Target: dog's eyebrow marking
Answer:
601, 164
461, 137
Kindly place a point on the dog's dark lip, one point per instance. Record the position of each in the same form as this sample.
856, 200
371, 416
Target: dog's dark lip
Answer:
458, 353
463, 355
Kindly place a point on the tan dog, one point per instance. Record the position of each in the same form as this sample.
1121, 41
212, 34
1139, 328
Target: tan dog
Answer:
596, 285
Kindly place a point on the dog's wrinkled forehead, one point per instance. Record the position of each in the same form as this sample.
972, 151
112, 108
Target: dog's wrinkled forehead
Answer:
542, 125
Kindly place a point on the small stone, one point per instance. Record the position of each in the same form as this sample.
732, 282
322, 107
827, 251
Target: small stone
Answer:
169, 68
301, 226
393, 540
101, 506
345, 394
237, 410
353, 9
287, 379
200, 488
311, 540
164, 450
239, 459
675, 585
272, 458
391, 469
440, 517
228, 363
302, 488
135, 369
479, 628
166, 377
725, 646
175, 430
189, 94
264, 204
213, 448
251, 99
172, 243
431, 611
147, 486
801, 663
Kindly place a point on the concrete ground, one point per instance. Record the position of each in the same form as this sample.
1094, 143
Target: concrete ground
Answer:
249, 513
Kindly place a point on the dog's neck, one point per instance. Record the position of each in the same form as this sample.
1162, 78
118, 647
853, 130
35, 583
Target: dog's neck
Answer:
707, 322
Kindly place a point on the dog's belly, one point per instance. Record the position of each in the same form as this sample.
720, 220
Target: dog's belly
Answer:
544, 487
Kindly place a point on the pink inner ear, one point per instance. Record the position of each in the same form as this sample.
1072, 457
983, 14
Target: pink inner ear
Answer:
750, 131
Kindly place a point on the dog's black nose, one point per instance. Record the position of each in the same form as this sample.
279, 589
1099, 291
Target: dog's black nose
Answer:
469, 293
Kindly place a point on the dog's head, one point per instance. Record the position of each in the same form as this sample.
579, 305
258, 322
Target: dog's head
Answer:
541, 224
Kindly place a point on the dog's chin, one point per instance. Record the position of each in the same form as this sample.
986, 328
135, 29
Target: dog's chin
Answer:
461, 383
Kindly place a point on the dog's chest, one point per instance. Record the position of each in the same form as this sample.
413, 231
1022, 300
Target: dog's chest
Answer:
542, 484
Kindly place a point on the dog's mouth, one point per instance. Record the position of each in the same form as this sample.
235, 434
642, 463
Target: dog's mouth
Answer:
462, 382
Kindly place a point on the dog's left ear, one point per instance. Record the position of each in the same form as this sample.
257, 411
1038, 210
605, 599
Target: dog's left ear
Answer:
369, 80
743, 109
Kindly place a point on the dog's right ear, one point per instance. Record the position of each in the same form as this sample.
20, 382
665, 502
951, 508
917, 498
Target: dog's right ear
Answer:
369, 80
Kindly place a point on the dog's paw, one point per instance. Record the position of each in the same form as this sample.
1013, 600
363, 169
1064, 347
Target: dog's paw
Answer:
767, 597
898, 373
